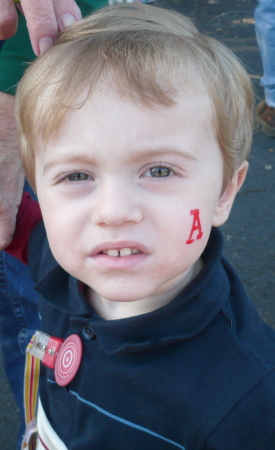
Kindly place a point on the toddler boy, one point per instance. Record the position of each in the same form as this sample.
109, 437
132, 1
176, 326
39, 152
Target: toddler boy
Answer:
135, 130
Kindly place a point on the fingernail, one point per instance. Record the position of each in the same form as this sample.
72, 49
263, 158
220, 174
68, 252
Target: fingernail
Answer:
67, 19
45, 43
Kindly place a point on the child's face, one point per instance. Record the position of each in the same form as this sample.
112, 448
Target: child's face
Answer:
120, 176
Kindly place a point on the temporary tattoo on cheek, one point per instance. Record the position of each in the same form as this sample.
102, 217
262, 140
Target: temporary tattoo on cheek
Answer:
195, 226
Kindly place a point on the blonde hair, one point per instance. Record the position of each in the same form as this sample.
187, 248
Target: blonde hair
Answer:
148, 54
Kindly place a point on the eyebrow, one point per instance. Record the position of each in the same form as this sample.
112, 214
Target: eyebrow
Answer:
135, 155
161, 151
67, 160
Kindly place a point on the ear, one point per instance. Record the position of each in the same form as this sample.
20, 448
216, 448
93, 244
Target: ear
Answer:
226, 200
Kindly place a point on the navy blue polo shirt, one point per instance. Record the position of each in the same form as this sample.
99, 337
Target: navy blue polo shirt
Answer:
198, 373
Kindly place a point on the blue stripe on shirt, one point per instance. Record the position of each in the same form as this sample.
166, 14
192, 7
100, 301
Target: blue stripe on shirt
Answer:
121, 420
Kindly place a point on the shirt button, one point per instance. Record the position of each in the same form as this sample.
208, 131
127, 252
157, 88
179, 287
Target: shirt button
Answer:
88, 332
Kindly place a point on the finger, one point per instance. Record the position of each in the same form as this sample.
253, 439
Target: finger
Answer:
41, 22
44, 18
8, 19
67, 12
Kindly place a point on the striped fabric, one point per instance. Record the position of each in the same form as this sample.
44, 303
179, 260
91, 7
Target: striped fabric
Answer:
31, 379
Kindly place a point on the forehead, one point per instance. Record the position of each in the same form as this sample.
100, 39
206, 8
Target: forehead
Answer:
113, 127
108, 111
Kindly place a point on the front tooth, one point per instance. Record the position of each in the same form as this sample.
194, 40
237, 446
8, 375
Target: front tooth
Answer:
125, 252
112, 252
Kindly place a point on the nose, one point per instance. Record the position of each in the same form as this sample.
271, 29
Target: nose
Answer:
115, 204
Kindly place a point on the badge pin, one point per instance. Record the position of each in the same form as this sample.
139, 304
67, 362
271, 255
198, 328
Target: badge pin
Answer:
68, 360
62, 356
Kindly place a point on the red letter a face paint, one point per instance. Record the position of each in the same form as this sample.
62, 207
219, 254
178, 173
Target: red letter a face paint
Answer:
196, 226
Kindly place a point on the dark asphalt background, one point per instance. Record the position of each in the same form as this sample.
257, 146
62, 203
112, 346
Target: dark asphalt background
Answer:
249, 232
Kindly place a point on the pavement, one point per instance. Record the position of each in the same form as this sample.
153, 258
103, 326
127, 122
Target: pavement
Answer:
249, 232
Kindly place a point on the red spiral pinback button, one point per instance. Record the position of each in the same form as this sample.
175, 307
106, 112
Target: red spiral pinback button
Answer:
68, 360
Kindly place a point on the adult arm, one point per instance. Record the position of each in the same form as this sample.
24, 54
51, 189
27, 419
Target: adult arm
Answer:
45, 18
17, 217
11, 173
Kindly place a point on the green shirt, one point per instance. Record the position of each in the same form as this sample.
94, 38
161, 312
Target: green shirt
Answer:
17, 52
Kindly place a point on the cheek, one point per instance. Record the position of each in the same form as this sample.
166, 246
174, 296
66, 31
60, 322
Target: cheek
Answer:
61, 218
62, 231
192, 230
188, 236
185, 224
188, 232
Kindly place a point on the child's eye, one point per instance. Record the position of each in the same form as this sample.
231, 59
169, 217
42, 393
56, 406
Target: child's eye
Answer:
78, 176
75, 178
158, 172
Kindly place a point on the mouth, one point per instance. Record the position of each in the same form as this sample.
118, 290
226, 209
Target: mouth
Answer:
122, 255
120, 249
121, 252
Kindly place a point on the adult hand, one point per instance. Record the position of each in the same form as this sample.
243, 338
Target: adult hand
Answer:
45, 18
11, 173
